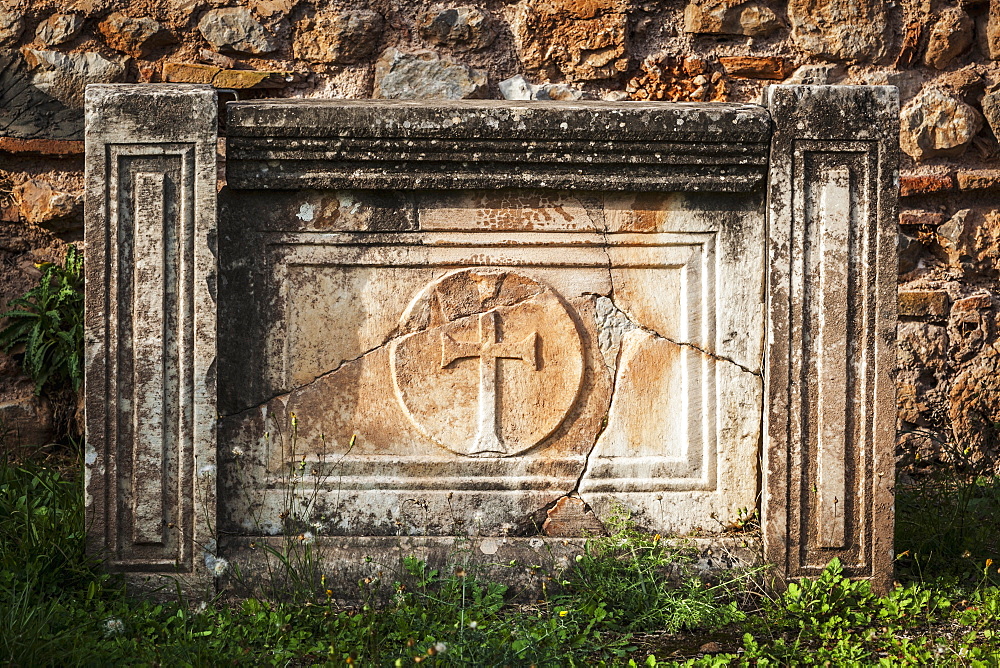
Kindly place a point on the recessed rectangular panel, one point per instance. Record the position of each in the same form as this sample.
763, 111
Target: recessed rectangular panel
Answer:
475, 373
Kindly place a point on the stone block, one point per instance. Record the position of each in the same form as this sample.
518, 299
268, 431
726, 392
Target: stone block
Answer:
979, 179
235, 29
923, 303
41, 93
730, 17
338, 37
424, 75
39, 202
58, 28
460, 28
137, 37
841, 30
493, 322
983, 300
922, 345
950, 36
577, 39
937, 124
11, 26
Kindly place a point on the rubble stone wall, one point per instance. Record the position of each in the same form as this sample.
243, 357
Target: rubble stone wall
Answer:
940, 55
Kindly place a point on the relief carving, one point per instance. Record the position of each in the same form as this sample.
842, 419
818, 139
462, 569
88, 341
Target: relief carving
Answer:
490, 362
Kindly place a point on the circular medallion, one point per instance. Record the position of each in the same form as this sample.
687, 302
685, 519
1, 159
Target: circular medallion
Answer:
489, 362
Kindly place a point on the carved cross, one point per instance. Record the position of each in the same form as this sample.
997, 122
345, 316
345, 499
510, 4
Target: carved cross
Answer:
489, 348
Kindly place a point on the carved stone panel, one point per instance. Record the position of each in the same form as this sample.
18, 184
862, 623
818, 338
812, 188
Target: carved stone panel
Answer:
464, 377
506, 323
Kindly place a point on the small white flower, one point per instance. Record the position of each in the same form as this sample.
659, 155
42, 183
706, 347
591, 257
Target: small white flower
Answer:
113, 627
238, 452
440, 647
207, 470
308, 538
473, 625
318, 526
220, 567
202, 607
536, 543
217, 566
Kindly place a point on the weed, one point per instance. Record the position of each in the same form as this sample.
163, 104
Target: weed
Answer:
56, 608
48, 322
639, 582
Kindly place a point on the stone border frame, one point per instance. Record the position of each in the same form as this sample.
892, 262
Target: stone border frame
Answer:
832, 188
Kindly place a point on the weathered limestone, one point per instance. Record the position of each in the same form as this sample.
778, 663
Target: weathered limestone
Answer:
338, 37
460, 28
841, 30
581, 40
502, 322
937, 124
829, 427
424, 75
150, 329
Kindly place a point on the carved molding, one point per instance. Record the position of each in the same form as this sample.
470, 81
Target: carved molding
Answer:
365, 144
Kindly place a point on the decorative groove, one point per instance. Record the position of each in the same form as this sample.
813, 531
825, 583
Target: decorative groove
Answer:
461, 145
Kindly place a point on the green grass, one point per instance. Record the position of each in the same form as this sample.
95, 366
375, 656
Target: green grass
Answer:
615, 605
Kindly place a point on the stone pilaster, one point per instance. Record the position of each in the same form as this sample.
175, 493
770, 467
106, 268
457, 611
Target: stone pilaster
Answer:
830, 417
151, 329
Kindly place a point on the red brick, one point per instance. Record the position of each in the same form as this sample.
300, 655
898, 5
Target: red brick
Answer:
53, 147
925, 185
917, 217
756, 68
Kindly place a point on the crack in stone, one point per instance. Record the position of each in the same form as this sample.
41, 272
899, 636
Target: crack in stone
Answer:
397, 333
656, 335
393, 335
603, 231
720, 358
